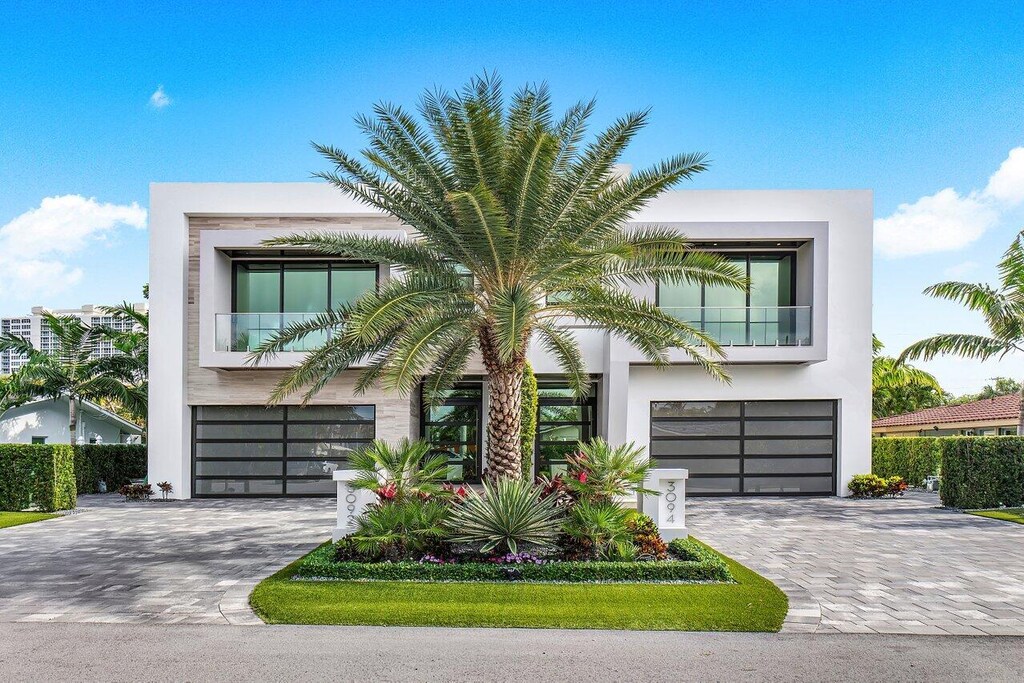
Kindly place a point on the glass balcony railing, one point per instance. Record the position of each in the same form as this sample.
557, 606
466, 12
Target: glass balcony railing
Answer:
750, 325
246, 332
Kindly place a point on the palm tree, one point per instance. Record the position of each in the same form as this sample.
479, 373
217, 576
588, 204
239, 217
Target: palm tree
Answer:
519, 224
133, 346
73, 369
1002, 309
899, 388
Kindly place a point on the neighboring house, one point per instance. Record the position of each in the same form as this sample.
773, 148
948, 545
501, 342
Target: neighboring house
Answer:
793, 421
33, 328
998, 416
46, 421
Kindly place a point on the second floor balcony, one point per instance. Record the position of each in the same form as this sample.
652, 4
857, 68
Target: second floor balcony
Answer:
749, 325
246, 332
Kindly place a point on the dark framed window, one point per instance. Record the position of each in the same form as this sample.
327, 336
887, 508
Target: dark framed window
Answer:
251, 451
39, 440
299, 286
563, 420
748, 447
455, 429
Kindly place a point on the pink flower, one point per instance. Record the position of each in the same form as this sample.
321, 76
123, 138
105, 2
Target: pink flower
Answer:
582, 477
388, 491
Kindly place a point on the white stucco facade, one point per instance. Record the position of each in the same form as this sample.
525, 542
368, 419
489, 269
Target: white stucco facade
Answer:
194, 227
48, 420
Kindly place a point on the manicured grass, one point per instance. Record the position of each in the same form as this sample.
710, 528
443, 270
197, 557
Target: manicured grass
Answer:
751, 604
1006, 514
15, 518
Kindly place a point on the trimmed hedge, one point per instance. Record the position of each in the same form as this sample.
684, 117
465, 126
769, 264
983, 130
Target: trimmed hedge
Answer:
37, 475
116, 464
982, 471
696, 563
913, 458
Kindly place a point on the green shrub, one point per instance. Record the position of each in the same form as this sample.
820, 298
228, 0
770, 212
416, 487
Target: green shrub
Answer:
528, 419
115, 464
405, 528
646, 537
510, 514
397, 472
602, 528
37, 475
982, 471
602, 472
913, 458
693, 563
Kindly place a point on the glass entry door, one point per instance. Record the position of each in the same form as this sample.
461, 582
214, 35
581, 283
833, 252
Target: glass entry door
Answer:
454, 429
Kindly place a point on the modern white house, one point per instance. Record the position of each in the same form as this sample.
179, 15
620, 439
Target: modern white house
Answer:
33, 328
46, 421
795, 419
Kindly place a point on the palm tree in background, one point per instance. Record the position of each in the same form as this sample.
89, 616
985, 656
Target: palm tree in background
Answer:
900, 388
73, 369
133, 345
520, 224
1002, 309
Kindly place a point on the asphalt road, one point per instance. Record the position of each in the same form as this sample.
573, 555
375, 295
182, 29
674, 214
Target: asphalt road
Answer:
93, 652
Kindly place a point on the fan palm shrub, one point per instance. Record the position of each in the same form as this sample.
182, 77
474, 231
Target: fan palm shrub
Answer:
399, 472
603, 527
519, 222
73, 369
407, 529
1001, 307
509, 516
601, 472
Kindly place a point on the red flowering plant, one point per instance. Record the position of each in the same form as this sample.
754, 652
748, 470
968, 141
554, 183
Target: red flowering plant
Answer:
602, 473
555, 487
395, 473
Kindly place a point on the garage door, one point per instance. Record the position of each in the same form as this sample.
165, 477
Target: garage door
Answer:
282, 451
748, 447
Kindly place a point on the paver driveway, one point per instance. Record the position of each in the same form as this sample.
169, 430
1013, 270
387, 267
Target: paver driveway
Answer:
155, 562
885, 566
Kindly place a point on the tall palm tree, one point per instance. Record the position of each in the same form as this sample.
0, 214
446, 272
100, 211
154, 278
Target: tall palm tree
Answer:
1003, 311
899, 388
73, 369
519, 224
133, 345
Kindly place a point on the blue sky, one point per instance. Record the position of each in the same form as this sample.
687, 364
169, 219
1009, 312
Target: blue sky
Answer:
907, 99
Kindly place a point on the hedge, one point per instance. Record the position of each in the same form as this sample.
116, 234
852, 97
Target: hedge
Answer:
913, 458
982, 471
116, 464
37, 475
697, 563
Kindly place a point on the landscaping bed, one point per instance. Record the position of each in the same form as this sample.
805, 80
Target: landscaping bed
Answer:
747, 603
690, 562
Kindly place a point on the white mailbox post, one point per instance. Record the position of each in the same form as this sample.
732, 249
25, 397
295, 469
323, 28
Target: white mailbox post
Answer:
668, 508
351, 502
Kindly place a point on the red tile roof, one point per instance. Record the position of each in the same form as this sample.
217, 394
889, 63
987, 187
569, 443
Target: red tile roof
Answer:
998, 409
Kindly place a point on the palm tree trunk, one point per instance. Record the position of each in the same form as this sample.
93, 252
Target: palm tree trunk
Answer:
504, 410
72, 419
504, 420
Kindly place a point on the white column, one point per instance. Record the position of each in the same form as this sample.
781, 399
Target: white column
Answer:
351, 502
668, 507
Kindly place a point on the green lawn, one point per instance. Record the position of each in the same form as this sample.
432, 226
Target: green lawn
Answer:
1006, 514
15, 518
751, 604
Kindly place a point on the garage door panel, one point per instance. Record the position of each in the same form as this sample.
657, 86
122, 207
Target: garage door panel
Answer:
288, 451
780, 447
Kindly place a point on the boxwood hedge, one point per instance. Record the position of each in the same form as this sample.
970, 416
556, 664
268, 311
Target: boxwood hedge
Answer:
913, 458
982, 471
694, 563
116, 464
37, 475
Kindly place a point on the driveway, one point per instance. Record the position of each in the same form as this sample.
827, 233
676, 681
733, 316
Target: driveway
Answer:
878, 566
163, 563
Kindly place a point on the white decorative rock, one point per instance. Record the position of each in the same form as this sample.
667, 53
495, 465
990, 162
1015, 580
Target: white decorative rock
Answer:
351, 502
668, 508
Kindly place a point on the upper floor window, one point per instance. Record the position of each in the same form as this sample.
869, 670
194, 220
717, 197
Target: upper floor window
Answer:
299, 287
767, 314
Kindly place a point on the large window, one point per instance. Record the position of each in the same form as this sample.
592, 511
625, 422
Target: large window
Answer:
748, 447
563, 420
279, 451
764, 315
270, 295
454, 427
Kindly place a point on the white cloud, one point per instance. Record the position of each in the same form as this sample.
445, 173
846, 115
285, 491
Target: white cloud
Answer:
961, 270
39, 247
948, 220
159, 99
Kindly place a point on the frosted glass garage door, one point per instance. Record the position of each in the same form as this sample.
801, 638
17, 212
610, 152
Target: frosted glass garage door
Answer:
748, 447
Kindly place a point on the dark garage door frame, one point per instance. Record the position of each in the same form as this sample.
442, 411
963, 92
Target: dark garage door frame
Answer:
267, 419
691, 432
